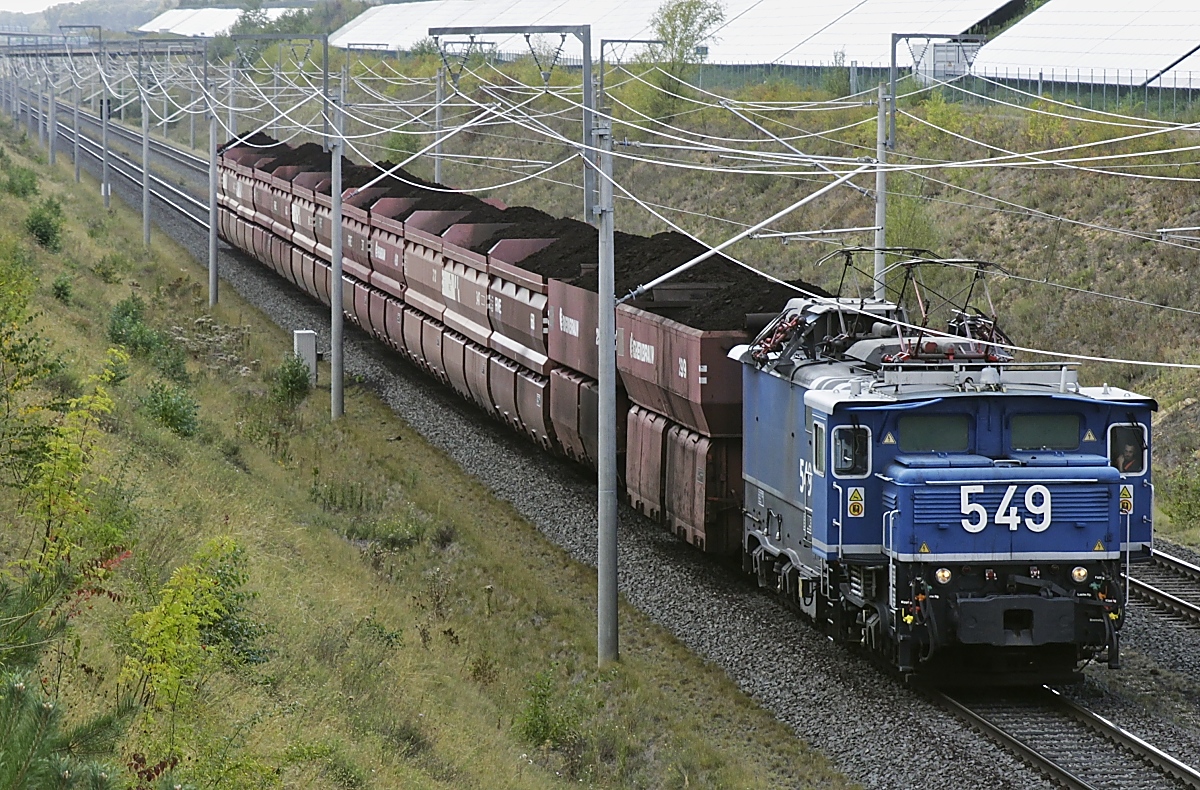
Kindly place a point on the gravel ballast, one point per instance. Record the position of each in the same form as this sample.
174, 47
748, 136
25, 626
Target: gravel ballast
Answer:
875, 729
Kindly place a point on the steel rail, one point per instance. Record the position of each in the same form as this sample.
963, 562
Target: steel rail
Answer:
1180, 572
161, 147
133, 173
1026, 749
1175, 768
1011, 743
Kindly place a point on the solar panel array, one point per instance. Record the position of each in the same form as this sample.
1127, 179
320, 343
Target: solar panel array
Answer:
754, 31
1113, 42
201, 21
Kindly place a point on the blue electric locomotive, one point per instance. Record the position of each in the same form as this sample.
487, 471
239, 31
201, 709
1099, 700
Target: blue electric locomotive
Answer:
965, 516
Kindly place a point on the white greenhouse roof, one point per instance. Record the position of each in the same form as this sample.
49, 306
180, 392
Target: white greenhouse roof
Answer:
201, 21
755, 31
1102, 41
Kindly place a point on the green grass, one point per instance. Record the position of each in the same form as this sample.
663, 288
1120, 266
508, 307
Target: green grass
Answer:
414, 638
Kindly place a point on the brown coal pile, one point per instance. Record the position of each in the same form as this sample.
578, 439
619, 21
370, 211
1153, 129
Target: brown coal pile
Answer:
728, 307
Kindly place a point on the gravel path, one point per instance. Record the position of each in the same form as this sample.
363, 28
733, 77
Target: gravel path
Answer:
876, 730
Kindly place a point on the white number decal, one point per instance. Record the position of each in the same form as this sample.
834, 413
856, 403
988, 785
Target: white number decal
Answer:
1008, 515
1042, 510
968, 507
1037, 502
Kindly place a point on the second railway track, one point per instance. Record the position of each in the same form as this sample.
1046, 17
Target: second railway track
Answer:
1169, 583
1072, 746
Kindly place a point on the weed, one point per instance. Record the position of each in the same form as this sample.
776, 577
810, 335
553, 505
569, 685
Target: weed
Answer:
21, 182
63, 288
544, 719
445, 535
290, 383
127, 326
112, 268
406, 735
345, 496
484, 670
45, 224
335, 766
172, 407
97, 227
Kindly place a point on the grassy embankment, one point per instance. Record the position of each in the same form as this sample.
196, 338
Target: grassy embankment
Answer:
382, 622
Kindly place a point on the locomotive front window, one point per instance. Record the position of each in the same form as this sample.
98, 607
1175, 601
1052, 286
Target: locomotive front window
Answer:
934, 433
1127, 448
851, 451
1045, 432
818, 448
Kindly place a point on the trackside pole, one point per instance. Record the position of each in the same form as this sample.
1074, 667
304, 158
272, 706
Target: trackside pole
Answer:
881, 196
439, 97
212, 207
337, 406
75, 130
52, 126
607, 647
105, 185
145, 171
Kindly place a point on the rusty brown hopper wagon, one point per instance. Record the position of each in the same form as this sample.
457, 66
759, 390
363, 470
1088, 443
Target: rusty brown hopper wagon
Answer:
500, 304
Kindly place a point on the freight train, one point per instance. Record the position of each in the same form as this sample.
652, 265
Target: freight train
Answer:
919, 493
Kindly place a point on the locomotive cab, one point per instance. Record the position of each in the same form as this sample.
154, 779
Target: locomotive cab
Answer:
967, 520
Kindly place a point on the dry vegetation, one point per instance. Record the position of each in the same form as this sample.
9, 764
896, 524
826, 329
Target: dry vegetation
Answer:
286, 602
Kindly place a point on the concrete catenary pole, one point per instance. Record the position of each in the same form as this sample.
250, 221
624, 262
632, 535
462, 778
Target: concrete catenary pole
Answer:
41, 112
337, 406
211, 105
105, 184
192, 118
606, 463
439, 97
145, 168
233, 132
75, 129
881, 195
52, 125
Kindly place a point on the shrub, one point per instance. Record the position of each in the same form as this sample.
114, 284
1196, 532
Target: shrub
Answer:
172, 407
62, 288
290, 383
45, 223
127, 326
545, 720
21, 182
112, 267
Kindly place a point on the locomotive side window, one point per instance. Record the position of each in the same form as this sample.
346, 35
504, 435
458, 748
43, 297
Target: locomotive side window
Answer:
851, 451
818, 448
1045, 432
934, 433
1127, 448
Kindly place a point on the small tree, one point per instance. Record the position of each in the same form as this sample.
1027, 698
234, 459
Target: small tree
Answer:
682, 25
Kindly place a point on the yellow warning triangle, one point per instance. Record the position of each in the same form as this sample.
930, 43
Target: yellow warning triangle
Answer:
1089, 436
856, 495
1099, 546
889, 439
924, 548
1126, 492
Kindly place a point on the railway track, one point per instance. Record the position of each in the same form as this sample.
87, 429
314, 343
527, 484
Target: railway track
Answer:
1070, 745
1169, 583
186, 203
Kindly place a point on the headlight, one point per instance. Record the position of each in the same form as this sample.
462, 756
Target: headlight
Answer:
1079, 574
942, 575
